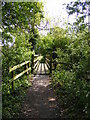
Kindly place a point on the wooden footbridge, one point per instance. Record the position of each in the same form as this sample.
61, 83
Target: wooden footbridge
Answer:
41, 69
39, 65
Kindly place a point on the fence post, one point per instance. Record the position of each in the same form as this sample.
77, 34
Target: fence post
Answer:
12, 75
27, 68
32, 63
50, 63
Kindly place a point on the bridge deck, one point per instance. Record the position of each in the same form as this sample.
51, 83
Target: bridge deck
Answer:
41, 69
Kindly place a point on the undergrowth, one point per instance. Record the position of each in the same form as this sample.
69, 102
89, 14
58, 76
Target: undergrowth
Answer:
72, 94
12, 100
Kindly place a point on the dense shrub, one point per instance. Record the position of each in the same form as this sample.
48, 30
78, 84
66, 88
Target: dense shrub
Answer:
77, 91
72, 76
14, 55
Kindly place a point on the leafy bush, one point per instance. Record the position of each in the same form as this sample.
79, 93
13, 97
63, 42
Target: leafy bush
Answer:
76, 91
19, 52
71, 76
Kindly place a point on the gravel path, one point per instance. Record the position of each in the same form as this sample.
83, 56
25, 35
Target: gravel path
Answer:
40, 101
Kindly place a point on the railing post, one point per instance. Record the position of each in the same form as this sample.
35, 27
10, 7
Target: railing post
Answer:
50, 63
28, 67
12, 75
25, 68
32, 63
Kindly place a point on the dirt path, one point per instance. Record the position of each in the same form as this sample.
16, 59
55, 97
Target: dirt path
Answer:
40, 101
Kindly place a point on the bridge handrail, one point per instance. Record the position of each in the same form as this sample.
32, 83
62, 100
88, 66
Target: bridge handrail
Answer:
48, 59
11, 70
18, 66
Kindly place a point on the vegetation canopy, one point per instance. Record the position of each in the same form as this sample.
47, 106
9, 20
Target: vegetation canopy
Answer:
65, 50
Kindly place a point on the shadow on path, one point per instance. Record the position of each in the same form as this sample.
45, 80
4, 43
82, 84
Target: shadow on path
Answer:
40, 101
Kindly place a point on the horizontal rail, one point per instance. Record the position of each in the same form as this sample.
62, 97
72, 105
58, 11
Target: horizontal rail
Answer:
38, 58
47, 65
35, 60
26, 69
18, 66
36, 69
47, 59
36, 65
19, 75
36, 55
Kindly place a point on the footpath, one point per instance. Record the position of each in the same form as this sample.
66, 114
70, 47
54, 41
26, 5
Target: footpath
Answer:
40, 101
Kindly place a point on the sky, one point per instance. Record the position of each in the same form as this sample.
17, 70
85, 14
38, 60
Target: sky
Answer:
55, 11
55, 8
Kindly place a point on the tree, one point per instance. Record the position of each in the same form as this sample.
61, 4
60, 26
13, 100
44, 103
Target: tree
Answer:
81, 9
22, 14
19, 17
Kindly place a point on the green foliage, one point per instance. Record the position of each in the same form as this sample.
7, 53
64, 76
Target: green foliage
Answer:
12, 101
22, 14
57, 38
75, 91
71, 75
79, 8
19, 52
19, 20
42, 60
19, 36
70, 79
43, 45
69, 49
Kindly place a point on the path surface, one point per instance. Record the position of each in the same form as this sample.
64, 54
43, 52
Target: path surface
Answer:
40, 101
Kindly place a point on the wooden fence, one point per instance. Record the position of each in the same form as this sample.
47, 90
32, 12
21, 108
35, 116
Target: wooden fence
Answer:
49, 62
36, 62
27, 68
